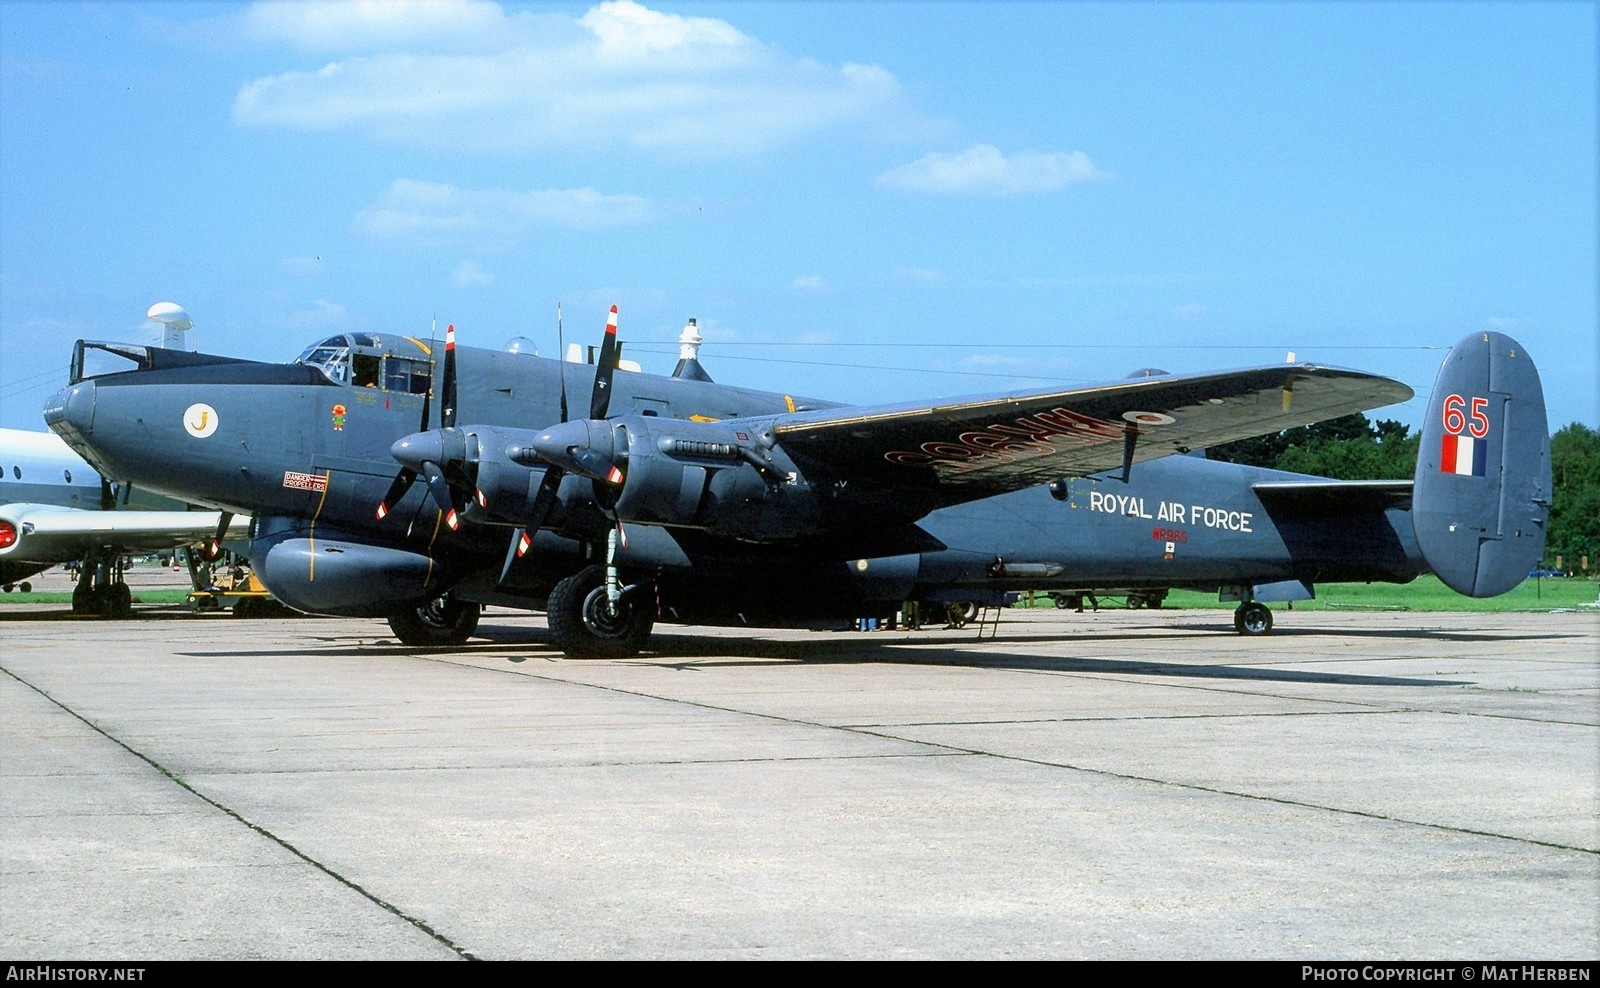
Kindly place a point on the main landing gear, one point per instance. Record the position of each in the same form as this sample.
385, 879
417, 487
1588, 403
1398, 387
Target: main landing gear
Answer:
440, 623
1252, 618
591, 620
101, 590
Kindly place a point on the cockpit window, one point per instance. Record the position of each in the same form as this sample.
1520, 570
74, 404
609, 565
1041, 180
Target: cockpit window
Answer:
331, 356
102, 359
358, 359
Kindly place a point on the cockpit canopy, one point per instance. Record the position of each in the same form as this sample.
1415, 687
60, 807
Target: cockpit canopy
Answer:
373, 360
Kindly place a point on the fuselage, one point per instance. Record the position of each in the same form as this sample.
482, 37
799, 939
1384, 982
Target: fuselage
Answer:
304, 447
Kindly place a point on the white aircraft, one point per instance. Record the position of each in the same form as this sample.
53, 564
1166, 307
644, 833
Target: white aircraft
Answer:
54, 508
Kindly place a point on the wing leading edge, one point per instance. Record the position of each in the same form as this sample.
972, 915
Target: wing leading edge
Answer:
967, 449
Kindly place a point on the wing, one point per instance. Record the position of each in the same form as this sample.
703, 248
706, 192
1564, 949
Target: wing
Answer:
966, 449
43, 533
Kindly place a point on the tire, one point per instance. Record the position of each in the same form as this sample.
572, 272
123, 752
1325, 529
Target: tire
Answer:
1252, 619
582, 626
1135, 602
114, 600
440, 623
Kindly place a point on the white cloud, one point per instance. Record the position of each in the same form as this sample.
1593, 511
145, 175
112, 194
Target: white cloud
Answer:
434, 214
620, 74
981, 170
1189, 312
375, 25
469, 275
809, 283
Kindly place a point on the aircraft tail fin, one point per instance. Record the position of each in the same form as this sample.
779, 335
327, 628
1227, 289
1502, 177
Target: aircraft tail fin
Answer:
1481, 497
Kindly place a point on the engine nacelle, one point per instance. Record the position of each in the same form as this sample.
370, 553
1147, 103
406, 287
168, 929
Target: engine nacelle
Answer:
507, 488
711, 475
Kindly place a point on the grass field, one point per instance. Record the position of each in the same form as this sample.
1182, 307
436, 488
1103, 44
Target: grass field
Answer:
1425, 593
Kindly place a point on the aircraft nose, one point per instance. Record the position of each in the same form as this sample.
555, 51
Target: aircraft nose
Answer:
70, 412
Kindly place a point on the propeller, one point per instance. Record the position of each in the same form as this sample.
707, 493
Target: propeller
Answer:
557, 467
425, 451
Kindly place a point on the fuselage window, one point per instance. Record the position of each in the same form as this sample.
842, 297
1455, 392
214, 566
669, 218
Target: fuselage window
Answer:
365, 370
407, 376
16, 472
68, 475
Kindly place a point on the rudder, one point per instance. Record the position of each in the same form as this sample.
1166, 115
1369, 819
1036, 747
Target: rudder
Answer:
1482, 493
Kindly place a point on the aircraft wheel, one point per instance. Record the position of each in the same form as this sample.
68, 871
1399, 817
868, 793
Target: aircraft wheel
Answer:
24, 586
441, 622
1252, 619
9, 587
118, 600
585, 626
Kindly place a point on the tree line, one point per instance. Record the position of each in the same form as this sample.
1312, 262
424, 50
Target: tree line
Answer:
1355, 448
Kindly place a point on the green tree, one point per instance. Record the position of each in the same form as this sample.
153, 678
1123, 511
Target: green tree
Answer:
1346, 448
1574, 530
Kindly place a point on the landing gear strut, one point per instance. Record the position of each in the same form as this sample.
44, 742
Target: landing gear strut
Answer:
101, 590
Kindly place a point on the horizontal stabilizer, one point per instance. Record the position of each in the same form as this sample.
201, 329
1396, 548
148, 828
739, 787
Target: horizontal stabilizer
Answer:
1334, 497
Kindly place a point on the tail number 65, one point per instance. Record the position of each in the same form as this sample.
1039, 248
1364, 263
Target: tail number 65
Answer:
1455, 416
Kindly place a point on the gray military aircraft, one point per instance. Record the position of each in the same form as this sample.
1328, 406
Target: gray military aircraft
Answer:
675, 498
55, 508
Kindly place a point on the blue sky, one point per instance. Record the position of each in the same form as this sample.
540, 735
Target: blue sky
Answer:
864, 201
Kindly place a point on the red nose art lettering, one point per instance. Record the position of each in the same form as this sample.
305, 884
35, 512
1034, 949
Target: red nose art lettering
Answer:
1008, 442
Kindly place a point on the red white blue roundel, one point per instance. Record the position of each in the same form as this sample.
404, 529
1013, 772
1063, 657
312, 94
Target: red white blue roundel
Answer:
1148, 418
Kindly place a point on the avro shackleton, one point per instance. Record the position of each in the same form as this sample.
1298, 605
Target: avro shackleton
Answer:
675, 498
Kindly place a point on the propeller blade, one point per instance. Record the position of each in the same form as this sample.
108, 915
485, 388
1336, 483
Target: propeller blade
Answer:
561, 362
406, 477
442, 495
397, 490
600, 400
538, 512
447, 389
